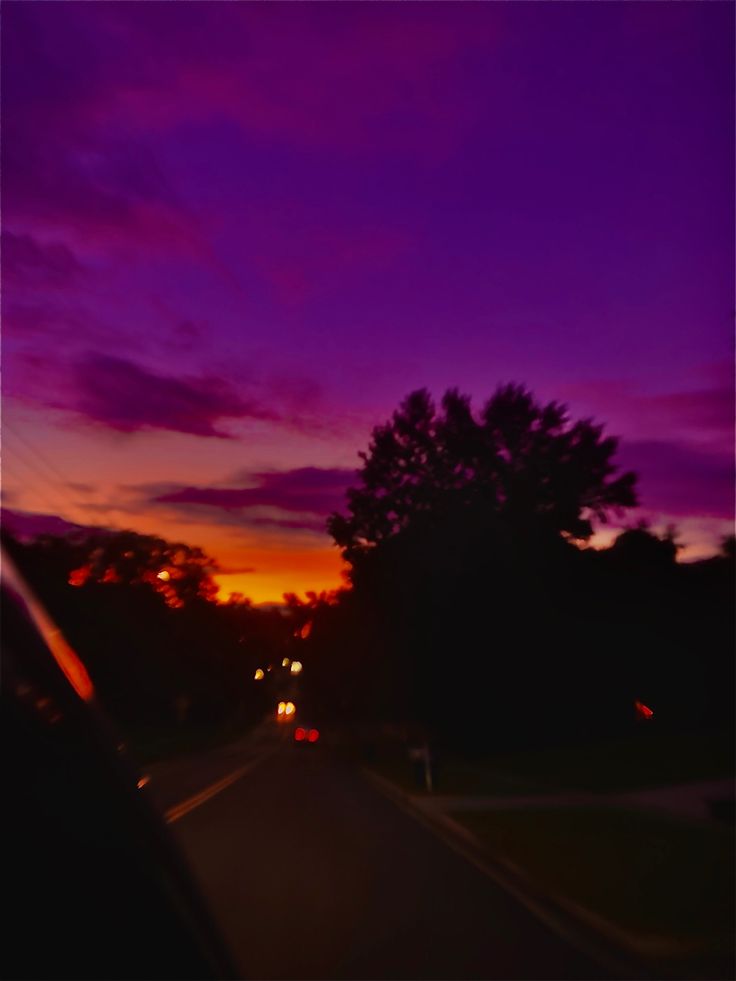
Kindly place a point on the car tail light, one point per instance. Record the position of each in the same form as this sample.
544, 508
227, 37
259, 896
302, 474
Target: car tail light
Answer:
313, 735
300, 734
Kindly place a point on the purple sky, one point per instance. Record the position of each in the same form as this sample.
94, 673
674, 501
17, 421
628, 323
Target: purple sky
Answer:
235, 235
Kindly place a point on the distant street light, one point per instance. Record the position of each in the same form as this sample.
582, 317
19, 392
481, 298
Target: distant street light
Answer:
296, 667
285, 663
259, 674
164, 574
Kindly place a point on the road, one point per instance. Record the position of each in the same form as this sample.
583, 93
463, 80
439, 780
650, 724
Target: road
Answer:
312, 873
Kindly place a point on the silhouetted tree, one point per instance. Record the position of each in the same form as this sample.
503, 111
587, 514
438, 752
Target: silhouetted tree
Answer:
180, 573
468, 600
473, 610
521, 462
163, 655
640, 548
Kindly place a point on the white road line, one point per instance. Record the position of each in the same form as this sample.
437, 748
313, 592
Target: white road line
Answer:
541, 910
179, 810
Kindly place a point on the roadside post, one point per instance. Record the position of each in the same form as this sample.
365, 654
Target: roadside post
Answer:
421, 757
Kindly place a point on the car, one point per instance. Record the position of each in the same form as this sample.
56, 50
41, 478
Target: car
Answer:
95, 886
306, 735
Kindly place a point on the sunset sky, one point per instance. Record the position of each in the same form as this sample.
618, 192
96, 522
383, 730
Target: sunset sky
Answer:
235, 235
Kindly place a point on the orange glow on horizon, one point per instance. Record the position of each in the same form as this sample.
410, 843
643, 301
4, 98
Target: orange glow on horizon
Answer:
279, 571
281, 559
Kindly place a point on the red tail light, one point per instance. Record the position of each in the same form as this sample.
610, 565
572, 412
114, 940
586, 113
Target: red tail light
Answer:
313, 735
300, 734
642, 710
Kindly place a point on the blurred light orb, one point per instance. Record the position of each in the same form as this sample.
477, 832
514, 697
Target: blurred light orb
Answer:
259, 674
164, 575
296, 667
285, 663
290, 708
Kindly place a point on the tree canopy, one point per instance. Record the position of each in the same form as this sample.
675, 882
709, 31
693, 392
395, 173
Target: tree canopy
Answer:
179, 573
521, 461
165, 658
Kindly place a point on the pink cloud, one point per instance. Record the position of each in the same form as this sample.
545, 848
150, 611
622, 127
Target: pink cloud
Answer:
704, 416
33, 263
677, 478
705, 413
298, 265
93, 187
311, 78
679, 442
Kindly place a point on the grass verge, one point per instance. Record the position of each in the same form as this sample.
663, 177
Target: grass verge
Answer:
650, 759
667, 886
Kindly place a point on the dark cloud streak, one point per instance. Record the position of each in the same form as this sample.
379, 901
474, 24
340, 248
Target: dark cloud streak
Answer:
128, 398
316, 490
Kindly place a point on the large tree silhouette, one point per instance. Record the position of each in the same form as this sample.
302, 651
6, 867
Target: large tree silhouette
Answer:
464, 577
519, 461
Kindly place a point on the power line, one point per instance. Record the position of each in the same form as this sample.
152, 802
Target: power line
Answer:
32, 458
31, 487
52, 488
28, 478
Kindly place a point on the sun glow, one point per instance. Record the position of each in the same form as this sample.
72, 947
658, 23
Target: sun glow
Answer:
280, 571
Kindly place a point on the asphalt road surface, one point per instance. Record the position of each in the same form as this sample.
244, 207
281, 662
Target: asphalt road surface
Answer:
312, 873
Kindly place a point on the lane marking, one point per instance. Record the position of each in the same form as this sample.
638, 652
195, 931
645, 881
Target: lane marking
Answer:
179, 810
610, 961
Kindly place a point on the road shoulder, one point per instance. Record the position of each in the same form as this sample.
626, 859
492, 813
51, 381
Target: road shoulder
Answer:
623, 952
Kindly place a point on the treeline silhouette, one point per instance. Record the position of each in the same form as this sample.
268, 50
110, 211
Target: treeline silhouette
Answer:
475, 613
473, 610
170, 665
